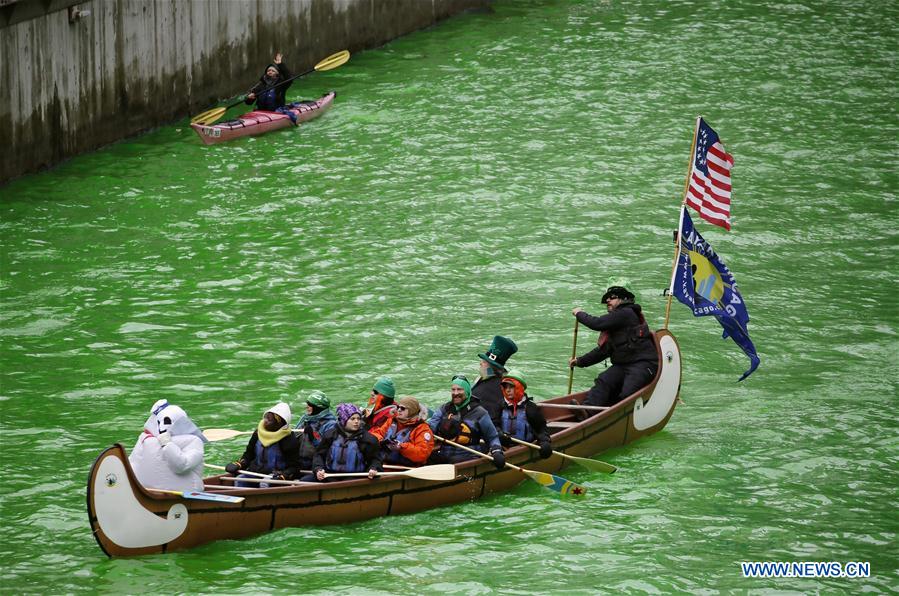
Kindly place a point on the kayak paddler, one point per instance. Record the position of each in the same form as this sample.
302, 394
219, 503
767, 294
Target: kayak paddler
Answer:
267, 98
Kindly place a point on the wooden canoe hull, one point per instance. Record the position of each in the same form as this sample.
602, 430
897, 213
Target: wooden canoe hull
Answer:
129, 520
259, 122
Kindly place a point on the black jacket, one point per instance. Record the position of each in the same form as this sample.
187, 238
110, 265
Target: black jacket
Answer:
290, 452
264, 103
490, 395
625, 338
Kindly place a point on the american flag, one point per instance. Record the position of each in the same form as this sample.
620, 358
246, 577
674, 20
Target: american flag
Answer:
709, 188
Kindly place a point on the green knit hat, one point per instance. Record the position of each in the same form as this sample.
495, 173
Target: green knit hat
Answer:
318, 400
516, 374
385, 386
462, 382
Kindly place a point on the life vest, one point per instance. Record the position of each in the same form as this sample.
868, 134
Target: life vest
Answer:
312, 436
345, 455
632, 343
268, 458
267, 101
469, 433
517, 425
400, 435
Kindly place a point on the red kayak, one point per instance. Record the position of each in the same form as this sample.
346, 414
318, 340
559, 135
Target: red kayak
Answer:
258, 122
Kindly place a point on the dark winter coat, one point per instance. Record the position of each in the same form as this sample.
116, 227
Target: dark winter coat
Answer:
625, 337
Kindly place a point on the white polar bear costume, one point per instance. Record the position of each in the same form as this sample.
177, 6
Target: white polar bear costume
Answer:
169, 453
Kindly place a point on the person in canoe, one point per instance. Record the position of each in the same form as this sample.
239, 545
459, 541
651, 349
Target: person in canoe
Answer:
317, 421
486, 389
269, 93
169, 452
347, 447
465, 422
521, 418
380, 403
624, 338
273, 449
405, 438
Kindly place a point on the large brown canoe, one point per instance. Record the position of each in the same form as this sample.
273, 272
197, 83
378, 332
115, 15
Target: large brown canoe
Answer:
129, 520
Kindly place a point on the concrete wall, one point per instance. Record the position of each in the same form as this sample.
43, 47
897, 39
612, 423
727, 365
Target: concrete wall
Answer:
71, 86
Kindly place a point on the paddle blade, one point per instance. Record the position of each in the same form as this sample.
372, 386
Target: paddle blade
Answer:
201, 496
437, 472
209, 116
333, 61
556, 483
220, 434
594, 464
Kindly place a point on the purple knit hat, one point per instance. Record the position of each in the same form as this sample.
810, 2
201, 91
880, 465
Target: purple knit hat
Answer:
345, 411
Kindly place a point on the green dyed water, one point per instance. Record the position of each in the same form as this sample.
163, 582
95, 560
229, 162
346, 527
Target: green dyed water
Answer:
485, 177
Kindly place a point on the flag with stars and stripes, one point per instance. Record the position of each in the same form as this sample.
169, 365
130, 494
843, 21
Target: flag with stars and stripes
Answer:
709, 188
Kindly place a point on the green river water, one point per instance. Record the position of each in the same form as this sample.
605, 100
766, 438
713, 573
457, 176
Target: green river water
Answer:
484, 177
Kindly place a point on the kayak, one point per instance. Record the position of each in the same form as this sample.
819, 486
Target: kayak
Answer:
259, 122
128, 519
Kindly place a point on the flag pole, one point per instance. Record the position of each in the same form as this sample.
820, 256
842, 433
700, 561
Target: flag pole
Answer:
677, 240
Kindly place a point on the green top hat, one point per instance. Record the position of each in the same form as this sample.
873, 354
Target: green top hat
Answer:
500, 351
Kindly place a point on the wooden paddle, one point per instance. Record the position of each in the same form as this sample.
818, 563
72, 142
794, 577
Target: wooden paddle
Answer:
220, 434
590, 464
332, 61
573, 355
268, 480
200, 496
437, 473
550, 481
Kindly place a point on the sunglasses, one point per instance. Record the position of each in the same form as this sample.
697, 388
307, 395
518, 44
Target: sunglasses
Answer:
507, 384
460, 377
403, 408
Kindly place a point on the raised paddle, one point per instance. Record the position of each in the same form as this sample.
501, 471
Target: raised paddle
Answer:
331, 62
200, 496
590, 464
573, 355
550, 481
268, 480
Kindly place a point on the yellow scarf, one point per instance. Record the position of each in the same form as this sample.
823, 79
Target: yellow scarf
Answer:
267, 437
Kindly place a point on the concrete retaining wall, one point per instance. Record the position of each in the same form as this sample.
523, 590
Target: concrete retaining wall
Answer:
70, 85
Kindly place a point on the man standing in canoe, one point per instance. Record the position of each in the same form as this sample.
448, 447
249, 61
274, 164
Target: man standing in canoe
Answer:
268, 97
625, 338
486, 389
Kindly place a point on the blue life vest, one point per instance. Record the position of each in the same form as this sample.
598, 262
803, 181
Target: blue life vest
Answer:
345, 455
518, 426
267, 101
400, 436
268, 458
